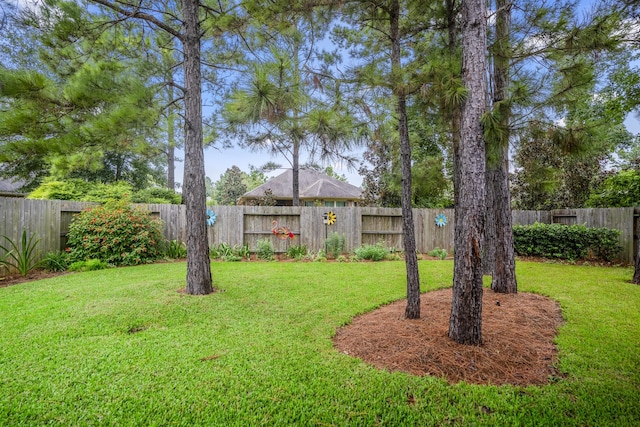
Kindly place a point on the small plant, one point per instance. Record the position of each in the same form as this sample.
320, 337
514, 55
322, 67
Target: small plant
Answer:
341, 258
335, 244
231, 258
297, 252
242, 251
23, 256
224, 250
264, 249
376, 252
438, 253
314, 256
55, 261
88, 265
176, 249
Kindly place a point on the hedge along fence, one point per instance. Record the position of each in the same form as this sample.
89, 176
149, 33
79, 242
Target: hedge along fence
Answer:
240, 225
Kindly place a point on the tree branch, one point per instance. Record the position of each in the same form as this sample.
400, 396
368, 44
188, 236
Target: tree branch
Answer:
140, 15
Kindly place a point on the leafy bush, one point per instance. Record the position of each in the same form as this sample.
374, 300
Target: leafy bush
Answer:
102, 193
297, 252
116, 234
335, 244
376, 252
242, 251
438, 253
80, 190
175, 249
621, 189
21, 256
157, 195
570, 242
264, 249
227, 253
88, 265
69, 189
55, 261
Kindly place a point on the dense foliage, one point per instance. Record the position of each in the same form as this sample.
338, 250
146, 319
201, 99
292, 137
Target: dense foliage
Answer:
115, 233
566, 242
619, 190
81, 190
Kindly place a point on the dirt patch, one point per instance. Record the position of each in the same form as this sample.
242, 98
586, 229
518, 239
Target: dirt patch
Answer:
518, 332
16, 279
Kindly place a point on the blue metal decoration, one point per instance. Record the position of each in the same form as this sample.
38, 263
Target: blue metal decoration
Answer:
441, 220
211, 217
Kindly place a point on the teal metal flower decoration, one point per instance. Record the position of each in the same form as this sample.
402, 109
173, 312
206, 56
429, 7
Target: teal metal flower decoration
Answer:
211, 217
441, 220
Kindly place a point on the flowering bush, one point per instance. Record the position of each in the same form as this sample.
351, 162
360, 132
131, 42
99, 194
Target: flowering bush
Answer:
115, 233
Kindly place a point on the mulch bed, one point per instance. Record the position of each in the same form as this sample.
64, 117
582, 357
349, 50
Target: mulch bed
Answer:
517, 330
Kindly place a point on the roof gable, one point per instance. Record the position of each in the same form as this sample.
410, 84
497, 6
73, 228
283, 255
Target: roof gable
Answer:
312, 185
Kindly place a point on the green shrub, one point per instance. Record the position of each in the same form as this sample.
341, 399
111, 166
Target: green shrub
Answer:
335, 244
243, 251
22, 256
55, 261
223, 250
175, 249
264, 249
116, 234
376, 252
102, 193
157, 195
297, 252
342, 258
227, 253
438, 253
69, 189
88, 265
570, 242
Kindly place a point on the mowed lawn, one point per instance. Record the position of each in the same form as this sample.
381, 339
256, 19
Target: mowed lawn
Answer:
122, 347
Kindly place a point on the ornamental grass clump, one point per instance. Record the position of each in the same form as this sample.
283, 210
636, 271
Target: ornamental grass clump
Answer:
116, 234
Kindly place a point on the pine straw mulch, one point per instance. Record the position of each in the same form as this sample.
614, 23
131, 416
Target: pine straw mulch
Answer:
517, 330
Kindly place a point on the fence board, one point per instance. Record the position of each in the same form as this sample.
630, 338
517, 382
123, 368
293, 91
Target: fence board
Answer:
239, 225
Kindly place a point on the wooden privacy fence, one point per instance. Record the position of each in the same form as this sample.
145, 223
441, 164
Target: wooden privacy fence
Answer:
240, 225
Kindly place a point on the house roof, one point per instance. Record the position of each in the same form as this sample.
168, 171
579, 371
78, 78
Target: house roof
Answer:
11, 187
312, 185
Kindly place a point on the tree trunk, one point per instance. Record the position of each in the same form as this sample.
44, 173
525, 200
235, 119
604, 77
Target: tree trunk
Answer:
499, 246
465, 324
198, 263
636, 272
171, 141
296, 173
412, 310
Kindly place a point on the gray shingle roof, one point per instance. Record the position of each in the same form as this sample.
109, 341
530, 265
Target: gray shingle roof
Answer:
10, 185
312, 184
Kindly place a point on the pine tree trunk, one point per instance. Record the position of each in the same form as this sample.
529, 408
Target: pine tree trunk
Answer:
198, 264
499, 245
636, 272
465, 324
504, 262
412, 310
296, 173
171, 142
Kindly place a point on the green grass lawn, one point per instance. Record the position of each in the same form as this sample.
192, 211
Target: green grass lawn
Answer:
122, 347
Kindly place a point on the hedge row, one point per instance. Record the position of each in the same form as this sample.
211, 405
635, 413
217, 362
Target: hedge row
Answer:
570, 242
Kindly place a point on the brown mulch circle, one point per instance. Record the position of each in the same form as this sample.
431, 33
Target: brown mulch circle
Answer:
517, 331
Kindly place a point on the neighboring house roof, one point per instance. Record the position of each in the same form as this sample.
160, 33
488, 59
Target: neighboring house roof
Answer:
10, 187
312, 185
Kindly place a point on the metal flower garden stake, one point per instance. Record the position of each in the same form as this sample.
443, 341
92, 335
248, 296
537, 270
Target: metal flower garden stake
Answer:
328, 218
